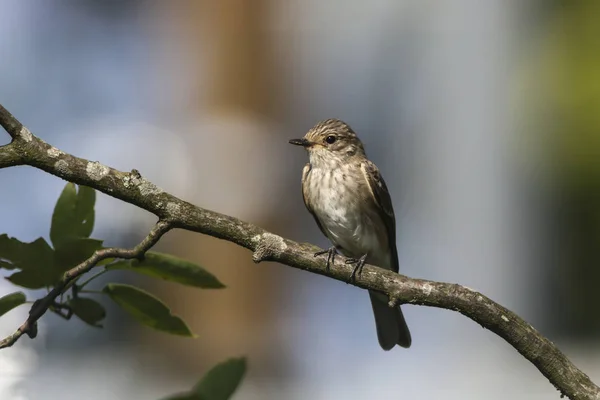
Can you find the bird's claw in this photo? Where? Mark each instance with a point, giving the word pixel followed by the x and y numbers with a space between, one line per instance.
pixel 331 252
pixel 360 263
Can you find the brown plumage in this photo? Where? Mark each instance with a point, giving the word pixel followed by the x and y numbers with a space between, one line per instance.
pixel 350 202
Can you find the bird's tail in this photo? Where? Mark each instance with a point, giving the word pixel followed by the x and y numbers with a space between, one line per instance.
pixel 391 326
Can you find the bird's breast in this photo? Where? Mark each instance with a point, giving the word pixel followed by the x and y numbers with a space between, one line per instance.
pixel 338 200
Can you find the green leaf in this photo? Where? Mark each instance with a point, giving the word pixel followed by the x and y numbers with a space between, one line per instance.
pixel 73 215
pixel 35 260
pixel 220 383
pixel 30 279
pixel 222 380
pixel 88 310
pixel 75 251
pixel 106 261
pixel 84 210
pixel 147 309
pixel 170 268
pixel 7 265
pixel 11 301
pixel 22 255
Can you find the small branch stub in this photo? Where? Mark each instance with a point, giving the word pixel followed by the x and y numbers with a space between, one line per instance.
pixel 394 300
pixel 268 246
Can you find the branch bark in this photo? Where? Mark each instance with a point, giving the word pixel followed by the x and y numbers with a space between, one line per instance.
pixel 131 187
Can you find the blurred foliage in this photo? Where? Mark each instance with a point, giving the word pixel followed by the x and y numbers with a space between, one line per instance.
pixel 563 90
pixel 11 301
pixel 37 265
pixel 219 383
pixel 562 99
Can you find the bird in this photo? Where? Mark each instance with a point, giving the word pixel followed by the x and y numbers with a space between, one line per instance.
pixel 350 202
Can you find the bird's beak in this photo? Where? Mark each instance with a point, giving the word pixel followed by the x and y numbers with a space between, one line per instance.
pixel 301 142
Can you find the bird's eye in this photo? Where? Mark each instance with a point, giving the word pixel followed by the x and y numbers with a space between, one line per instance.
pixel 330 139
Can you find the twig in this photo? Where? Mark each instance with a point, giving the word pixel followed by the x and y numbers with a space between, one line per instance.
pixel 39 307
pixel 91 278
pixel 27 149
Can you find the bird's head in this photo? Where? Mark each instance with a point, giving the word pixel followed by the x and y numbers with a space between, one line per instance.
pixel 330 141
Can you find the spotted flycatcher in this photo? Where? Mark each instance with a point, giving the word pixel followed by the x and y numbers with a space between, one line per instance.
pixel 350 202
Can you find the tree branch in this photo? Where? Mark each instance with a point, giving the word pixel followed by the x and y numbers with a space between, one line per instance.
pixel 132 188
pixel 39 307
pixel 9 157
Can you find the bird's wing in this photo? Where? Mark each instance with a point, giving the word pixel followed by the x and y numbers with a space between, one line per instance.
pixel 305 172
pixel 381 197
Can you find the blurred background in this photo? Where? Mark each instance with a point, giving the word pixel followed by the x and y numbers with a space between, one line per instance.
pixel 483 117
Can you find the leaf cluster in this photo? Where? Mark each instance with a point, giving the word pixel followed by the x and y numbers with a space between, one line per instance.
pixel 39 264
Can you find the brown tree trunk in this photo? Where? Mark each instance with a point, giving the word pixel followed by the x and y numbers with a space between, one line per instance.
pixel 241 319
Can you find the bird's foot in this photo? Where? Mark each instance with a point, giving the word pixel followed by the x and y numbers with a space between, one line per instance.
pixel 360 263
pixel 331 252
